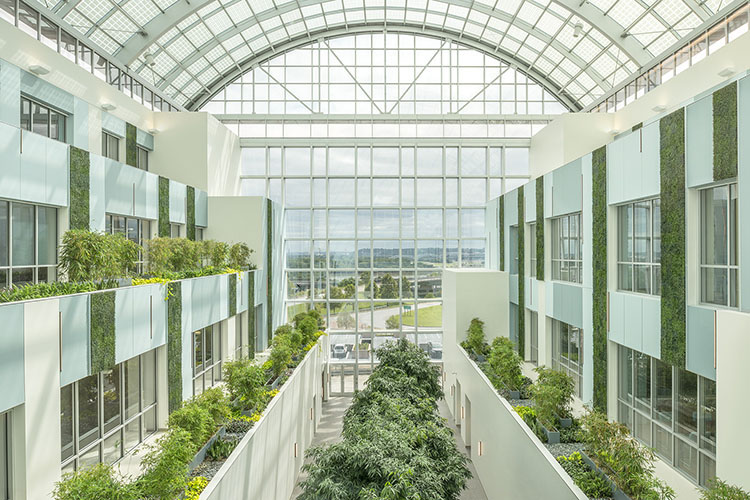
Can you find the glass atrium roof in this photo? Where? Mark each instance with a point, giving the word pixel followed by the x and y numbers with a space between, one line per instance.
pixel 577 49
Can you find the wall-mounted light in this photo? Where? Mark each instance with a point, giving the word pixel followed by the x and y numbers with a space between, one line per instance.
pixel 453 389
pixel 613 131
pixel 659 109
pixel 38 69
pixel 296 450
pixel 463 413
pixel 153 131
pixel 480 449
pixel 577 29
pixel 108 106
pixel 726 72
pixel 311 414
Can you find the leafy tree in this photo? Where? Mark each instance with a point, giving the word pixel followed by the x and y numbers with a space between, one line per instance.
pixel 475 340
pixel 392 323
pixel 406 288
pixel 244 380
pixel 239 256
pixel 388 288
pixel 505 363
pixel 345 320
pixel 552 394
pixel 165 466
pixel 281 354
pixel 721 490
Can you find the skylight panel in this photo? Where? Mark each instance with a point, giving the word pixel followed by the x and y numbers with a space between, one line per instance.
pixel 291 16
pixel 714 5
pixel 95 10
pixel 525 52
pixel 549 23
pixel 647 29
pixel 457 11
pixel 295 28
pixel 269 24
pixel 559 76
pixel 215 53
pixel 276 35
pixel 239 11
pixel 585 81
pixel 119 27
pixel 435 6
pixel 78 21
pixel 553 54
pixel 559 10
pixel 478 17
pixel 198 65
pixel 192 88
pixel 535 43
pixel 104 41
pixel 510 45
pixel 330 6
pixel 261 5
pixel 544 64
pixel 315 22
pixel 181 80
pixel 625 12
pixel 491 36
pixel 209 9
pixel 569 66
pixel 199 35
pixel 187 22
pixel 474 29
pixel 180 49
pixel 240 53
pixel 416 4
pixel 586 49
pixel 165 4
pixel 530 13
pixel 566 38
pixel 252 32
pixel 434 20
pixel 219 22
pixel 166 37
pixel 672 11
pixel 258 44
pixel 517 33
pixel 223 64
pixel 662 43
pixel 141 11
pixel 604 65
pixel 163 64
pixel 498 24
pixel 488 3
pixel 509 6
pixel 602 5
pixel 208 76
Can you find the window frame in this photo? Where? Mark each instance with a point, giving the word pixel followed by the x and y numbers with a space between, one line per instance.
pixel 732 224
pixel 107 151
pixel 35 266
pixel 560 263
pixel 199 371
pixel 50 111
pixel 142 157
pixel 532 250
pixel 565 364
pixel 653 282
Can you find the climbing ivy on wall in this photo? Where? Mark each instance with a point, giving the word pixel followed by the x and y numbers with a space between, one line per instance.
pixel 539 229
pixel 501 230
pixel 251 314
pixel 164 207
pixel 672 130
pixel 232 283
pixel 174 344
pixel 269 269
pixel 80 180
pixel 599 248
pixel 521 257
pixel 725 132
pixel 131 147
pixel 102 311
pixel 190 213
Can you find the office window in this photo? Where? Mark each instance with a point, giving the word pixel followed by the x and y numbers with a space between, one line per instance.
pixel 513 242
pixel 639 247
pixel 104 416
pixel 567 240
pixel 42 120
pixel 134 229
pixel 142 158
pixel 532 250
pixel 567 352
pixel 175 230
pixel 28 244
pixel 110 146
pixel 5 473
pixel 206 358
pixel 198 234
pixel 534 327
pixel 719 250
pixel 241 340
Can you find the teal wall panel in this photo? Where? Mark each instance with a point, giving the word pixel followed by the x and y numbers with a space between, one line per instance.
pixel 10 94
pixel 743 179
pixel 633 327
pixel 201 208
pixel 699 144
pixel 651 340
pixel 10 173
pixel 635 321
pixel 75 338
pixel 97 193
pixel 124 313
pixel 513 288
pixel 209 301
pixel 80 131
pixel 142 333
pixel 511 209
pixel 243 290
pixel 567 303
pixel 616 317
pixel 56 174
pixel 567 189
pixel 33 167
pixel 529 198
pixel 548 178
pixel 700 341
pixel 650 160
pixel 11 356
pixel 177 202
pixel 144 139
pixel 633 165
pixel 47 93
pixel 159 315
pixel 152 196
pixel 188 326
pixel 119 180
pixel 113 125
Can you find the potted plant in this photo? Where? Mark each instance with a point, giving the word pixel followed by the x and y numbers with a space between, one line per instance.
pixel 552 394
pixel 475 343
pixel 505 365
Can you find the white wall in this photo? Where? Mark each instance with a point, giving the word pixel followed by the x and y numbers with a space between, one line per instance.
pixel 238 218
pixel 263 465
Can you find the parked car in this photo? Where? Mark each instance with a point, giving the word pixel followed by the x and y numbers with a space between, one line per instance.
pixel 436 350
pixel 338 351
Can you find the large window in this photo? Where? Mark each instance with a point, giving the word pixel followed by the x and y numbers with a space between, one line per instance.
pixel 513 242
pixel 42 119
pixel 719 249
pixel 28 244
pixel 532 250
pixel 567 352
pixel 534 330
pixel 104 416
pixel 639 247
pixel 5 461
pixel 110 146
pixel 567 255
pixel 206 358
pixel 671 410
pixel 142 158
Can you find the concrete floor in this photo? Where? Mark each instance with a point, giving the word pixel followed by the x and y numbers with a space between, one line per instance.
pixel 329 431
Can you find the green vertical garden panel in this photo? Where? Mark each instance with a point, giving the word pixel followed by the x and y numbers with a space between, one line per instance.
pixel 501 231
pixel 599 257
pixel 102 331
pixel 174 344
pixel 521 279
pixel 80 166
pixel 269 270
pixel 131 145
pixel 163 207
pixel 251 314
pixel 725 132
pixel 539 228
pixel 673 311
pixel 232 283
pixel 190 216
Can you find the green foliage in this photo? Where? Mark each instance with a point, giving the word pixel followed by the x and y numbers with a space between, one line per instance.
pixel 593 484
pixel 215 401
pixel 251 314
pixel 238 256
pixel 393 322
pixel 629 464
pixel 232 301
pixel 80 180
pixel 720 490
pixel 131 145
pixel 281 354
pixel 673 240
pixel 308 323
pixel 195 419
pixel 164 228
pixel 178 258
pixel 725 132
pixel 239 425
pixel 269 267
pixel 214 252
pixel 244 380
pixel 165 466
pixel 174 344
pixel 521 273
pixel 525 412
pixel 102 335
pixel 190 216
pixel 395 444
pixel 475 339
pixel 52 289
pixel 552 394
pixel 501 227
pixel 221 449
pixel 91 256
pixel 599 258
pixel 195 487
pixel 539 228
pixel 505 364
pixel 99 482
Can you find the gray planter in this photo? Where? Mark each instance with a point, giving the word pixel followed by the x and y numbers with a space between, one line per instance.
pixel 201 455
pixel 514 394
pixel 480 358
pixel 553 436
pixel 617 493
pixel 565 422
pixel 122 282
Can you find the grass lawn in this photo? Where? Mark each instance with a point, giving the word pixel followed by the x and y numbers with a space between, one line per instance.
pixel 428 316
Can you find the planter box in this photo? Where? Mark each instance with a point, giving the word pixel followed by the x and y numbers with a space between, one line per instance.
pixel 565 422
pixel 617 493
pixel 201 455
pixel 514 395
pixel 553 436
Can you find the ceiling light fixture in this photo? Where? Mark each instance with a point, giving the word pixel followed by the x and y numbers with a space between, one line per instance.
pixel 726 72
pixel 38 69
pixel 108 106
pixel 577 29
pixel 149 57
pixel 659 109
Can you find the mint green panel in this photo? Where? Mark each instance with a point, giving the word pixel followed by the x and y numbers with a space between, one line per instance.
pixel 177 202
pixel 47 93
pixel 699 142
pixel 201 208
pixel 124 313
pixel 567 189
pixel 242 291
pixel 743 124
pixel 615 172
pixel 113 125
pixel 118 188
pixel 651 342
pixel 56 174
pixel 97 193
pixel 531 294
pixel 700 341
pixel 633 326
pixel 650 160
pixel 80 138
pixel 141 192
pixel 76 354
pixel 513 292
pixel 529 199
pixel 144 139
pixel 259 275
pixel 159 315
pixel 10 159
pixel 548 195
pixel 568 303
pixel 11 356
pixel 142 304
pixel 617 317
pixel 511 208
pixel 10 94
pixel 549 300
pixel 209 300
pixel 188 326
pixel 33 167
pixel 152 196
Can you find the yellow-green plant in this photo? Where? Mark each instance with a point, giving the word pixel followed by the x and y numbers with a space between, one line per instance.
pixel 195 487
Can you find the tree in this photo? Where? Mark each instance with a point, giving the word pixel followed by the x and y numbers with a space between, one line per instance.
pixel 388 288
pixel 406 288
pixel 345 320
pixel 392 323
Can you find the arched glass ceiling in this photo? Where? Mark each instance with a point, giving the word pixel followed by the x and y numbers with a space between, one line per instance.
pixel 580 48
pixel 384 73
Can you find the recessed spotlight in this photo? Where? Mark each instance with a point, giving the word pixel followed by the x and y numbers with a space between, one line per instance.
pixel 108 106
pixel 38 69
pixel 726 72
pixel 659 109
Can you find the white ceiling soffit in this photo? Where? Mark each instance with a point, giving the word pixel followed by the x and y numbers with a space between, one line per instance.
pixel 578 49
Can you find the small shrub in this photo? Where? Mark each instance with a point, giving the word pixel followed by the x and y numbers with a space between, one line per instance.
pixel 195 420
pixel 552 394
pixel 720 490
pixel 221 449
pixel 195 487
pixel 215 253
pixel 99 482
pixel 239 256
pixel 591 483
pixel 165 466
pixel 241 424
pixel 506 363
pixel 244 380
pixel 281 355
pixel 475 338
pixel 92 256
pixel 215 401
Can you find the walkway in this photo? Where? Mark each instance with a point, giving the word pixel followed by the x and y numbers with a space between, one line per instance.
pixel 329 432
